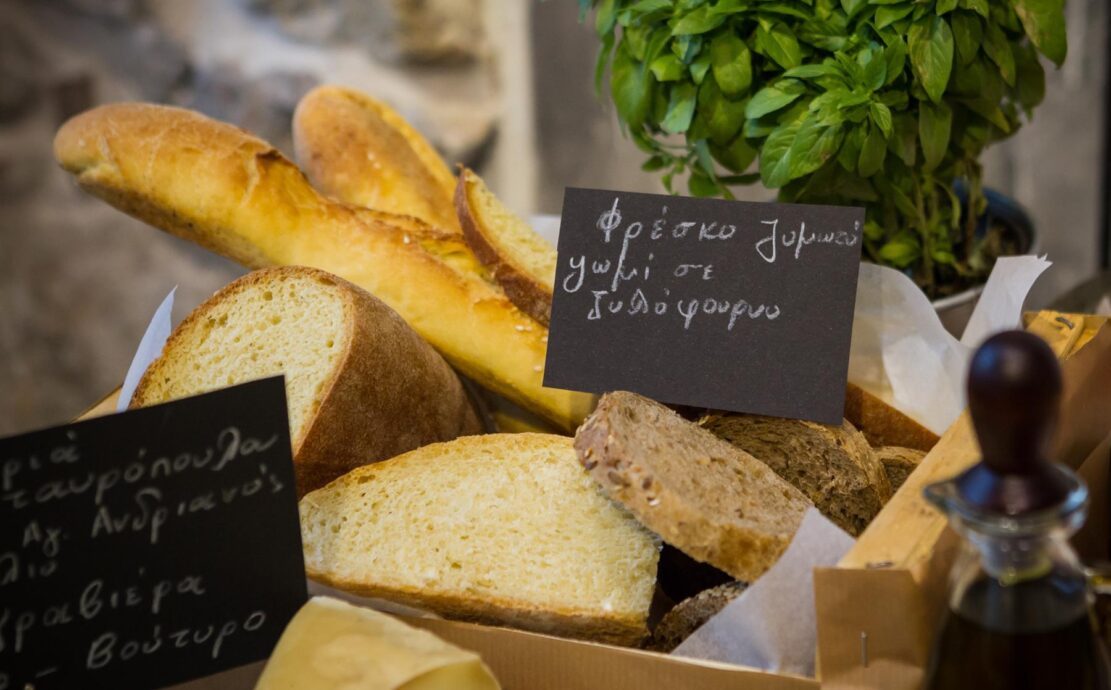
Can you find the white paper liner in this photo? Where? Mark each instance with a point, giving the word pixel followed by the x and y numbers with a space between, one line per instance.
pixel 150 347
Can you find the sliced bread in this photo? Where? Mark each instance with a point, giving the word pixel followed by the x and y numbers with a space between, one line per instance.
pixel 833 465
pixel 361 386
pixel 500 529
pixel 523 262
pixel 691 614
pixel 898 463
pixel 716 503
pixel 882 424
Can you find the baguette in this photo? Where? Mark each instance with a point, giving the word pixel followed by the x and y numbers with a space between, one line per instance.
pixel 522 262
pixel 499 529
pixel 228 191
pixel 716 503
pixel 833 465
pixel 361 151
pixel 360 384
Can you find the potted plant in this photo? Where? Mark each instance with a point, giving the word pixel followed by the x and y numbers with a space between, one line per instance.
pixel 885 104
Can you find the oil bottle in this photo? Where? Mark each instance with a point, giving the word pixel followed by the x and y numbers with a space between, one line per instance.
pixel 1018 613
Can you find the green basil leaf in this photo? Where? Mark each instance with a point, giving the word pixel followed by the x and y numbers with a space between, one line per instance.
pixel 773 97
pixel 650 6
pixel 968 32
pixel 702 185
pixel 605 17
pixel 737 156
pixel 775 159
pixel 931 54
pixel 823 34
pixel 980 7
pixel 875 72
pixel 779 44
pixel 989 110
pixel 655 163
pixel 667 67
pixel 849 155
pixel 998 48
pixel 904 140
pixel 686 48
pixel 732 63
pixel 698 22
pixel 889 14
pixel 810 71
pixel 945 6
pixel 1044 22
pixel 896 58
pixel 851 7
pixel 631 87
pixel 934 125
pixel 872 153
pixel 901 251
pixel 602 62
pixel 814 144
pixel 880 115
pixel 885 2
pixel 723 116
pixel 1030 82
pixel 784 9
pixel 680 108
pixel 700 67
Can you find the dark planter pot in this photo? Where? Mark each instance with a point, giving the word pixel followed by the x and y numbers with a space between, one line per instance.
pixel 955 310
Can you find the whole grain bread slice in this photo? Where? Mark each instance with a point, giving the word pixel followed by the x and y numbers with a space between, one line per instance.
pixel 503 529
pixel 898 463
pixel 833 465
pixel 702 495
pixel 691 614
pixel 882 424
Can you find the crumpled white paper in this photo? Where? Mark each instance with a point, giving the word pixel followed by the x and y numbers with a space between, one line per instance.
pixel 902 354
pixel 772 625
pixel 150 347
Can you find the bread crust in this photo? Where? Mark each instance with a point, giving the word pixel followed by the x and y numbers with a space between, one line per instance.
pixel 216 185
pixel 361 151
pixel 623 463
pixel 530 294
pixel 882 424
pixel 388 393
pixel 898 463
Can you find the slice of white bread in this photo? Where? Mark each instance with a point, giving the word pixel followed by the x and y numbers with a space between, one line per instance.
pixel 523 262
pixel 332 645
pixel 711 500
pixel 360 384
pixel 499 529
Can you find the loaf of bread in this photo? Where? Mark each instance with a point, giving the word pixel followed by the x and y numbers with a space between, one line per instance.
pixel 522 262
pixel 691 614
pixel 224 189
pixel 716 503
pixel 503 529
pixel 833 465
pixel 361 151
pixel 360 384
pixel 898 463
pixel 882 424
pixel 332 645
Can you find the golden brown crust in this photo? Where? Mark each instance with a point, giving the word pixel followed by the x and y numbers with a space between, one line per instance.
pixel 389 392
pixel 214 184
pixel 529 294
pixel 502 611
pixel 361 151
pixel 882 424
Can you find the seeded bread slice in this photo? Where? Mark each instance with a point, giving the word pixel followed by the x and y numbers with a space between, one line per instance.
pixel 503 529
pixel 833 465
pixel 898 463
pixel 713 501
pixel 691 614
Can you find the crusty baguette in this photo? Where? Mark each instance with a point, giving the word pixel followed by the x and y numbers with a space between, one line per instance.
pixel 361 151
pixel 898 463
pixel 522 262
pixel 713 501
pixel 224 189
pixel 502 528
pixel 360 384
pixel 882 424
pixel 833 465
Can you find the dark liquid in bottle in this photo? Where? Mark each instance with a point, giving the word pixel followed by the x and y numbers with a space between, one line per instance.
pixel 1066 656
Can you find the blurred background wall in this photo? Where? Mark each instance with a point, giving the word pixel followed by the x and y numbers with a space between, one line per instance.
pixel 504 86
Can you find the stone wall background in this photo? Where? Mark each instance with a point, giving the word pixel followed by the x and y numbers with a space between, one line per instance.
pixel 503 85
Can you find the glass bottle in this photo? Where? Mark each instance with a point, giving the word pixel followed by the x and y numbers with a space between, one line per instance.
pixel 1018 615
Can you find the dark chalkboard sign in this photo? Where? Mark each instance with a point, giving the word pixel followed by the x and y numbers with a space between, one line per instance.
pixel 148 548
pixel 732 305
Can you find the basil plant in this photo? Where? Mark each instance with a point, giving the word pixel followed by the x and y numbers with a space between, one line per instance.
pixel 878 103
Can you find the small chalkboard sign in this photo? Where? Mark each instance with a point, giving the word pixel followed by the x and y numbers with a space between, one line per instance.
pixel 148 548
pixel 732 305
